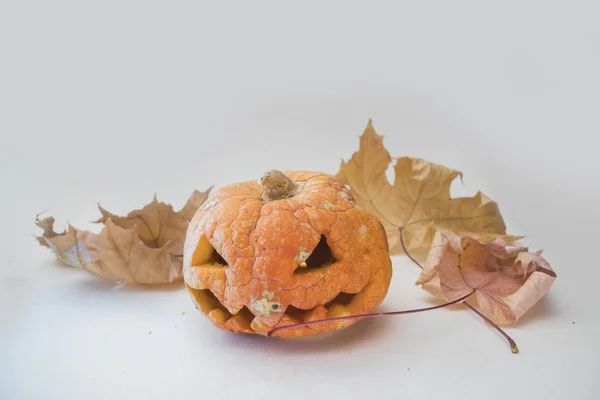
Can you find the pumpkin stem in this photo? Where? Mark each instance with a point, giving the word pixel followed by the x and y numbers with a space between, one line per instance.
pixel 277 186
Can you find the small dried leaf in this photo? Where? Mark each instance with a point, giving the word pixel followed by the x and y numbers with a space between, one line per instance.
pixel 508 280
pixel 193 204
pixel 487 238
pixel 144 247
pixel 418 203
pixel 46 224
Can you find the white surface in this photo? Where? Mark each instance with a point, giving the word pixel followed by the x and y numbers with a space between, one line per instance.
pixel 114 101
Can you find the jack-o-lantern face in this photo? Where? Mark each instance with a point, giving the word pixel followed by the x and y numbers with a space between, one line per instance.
pixel 290 248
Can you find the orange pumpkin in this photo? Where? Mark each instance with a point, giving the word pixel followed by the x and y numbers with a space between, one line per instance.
pixel 291 247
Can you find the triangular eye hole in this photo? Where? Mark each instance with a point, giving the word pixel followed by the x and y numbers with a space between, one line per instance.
pixel 206 255
pixel 320 257
pixel 217 258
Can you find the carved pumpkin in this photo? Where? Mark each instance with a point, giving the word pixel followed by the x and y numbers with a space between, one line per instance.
pixel 290 248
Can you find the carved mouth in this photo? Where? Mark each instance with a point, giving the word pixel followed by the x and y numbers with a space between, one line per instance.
pixel 241 322
pixel 208 303
pixel 207 257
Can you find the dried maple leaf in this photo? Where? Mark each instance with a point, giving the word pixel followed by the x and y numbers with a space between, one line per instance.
pixel 418 203
pixel 507 279
pixel 144 247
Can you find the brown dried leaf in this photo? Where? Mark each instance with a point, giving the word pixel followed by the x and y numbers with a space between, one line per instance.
pixel 47 225
pixel 144 247
pixel 508 280
pixel 418 203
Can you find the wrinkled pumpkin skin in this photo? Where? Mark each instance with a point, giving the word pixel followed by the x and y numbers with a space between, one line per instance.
pixel 264 283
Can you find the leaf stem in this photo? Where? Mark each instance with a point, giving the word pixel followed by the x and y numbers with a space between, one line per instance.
pixel 373 315
pixel 513 345
pixel 406 250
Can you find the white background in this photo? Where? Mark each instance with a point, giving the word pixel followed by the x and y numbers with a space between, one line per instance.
pixel 111 102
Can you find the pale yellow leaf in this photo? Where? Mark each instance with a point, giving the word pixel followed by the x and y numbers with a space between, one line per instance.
pixel 418 203
pixel 143 247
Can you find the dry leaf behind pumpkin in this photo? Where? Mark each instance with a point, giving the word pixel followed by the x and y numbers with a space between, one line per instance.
pixel 508 280
pixel 144 247
pixel 419 202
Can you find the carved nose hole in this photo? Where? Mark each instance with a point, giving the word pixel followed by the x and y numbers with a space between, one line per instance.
pixel 321 256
